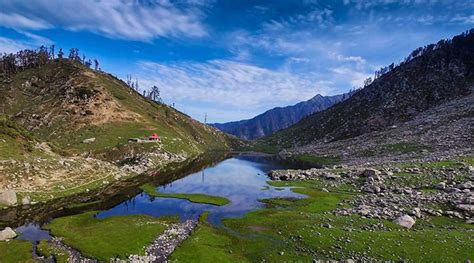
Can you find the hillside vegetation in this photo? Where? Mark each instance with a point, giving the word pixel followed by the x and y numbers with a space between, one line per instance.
pixel 65 128
pixel 65 103
pixel 429 92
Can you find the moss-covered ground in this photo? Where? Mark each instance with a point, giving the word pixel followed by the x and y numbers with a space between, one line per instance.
pixel 300 230
pixel 109 237
pixel 195 198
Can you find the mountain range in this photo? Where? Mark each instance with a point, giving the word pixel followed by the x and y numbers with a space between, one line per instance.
pixel 428 94
pixel 278 118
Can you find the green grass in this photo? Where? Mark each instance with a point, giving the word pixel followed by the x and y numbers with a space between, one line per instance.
pixel 15 142
pixel 405 147
pixel 180 134
pixel 109 237
pixel 195 198
pixel 293 230
pixel 16 251
pixel 443 164
pixel 318 160
pixel 263 148
pixel 207 244
pixel 81 205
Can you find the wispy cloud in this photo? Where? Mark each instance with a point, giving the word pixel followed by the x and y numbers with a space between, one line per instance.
pixel 8 45
pixel 231 85
pixel 119 19
pixel 28 41
pixel 17 21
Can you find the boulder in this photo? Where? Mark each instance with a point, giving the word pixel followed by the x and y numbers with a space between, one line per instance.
pixel 8 197
pixel 370 173
pixel 466 207
pixel 7 234
pixel 330 176
pixel 440 186
pixel 417 212
pixel 90 140
pixel 466 185
pixel 26 200
pixel 370 188
pixel 405 221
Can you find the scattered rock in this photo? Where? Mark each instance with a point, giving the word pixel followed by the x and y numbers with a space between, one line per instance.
pixel 8 197
pixel 440 186
pixel 405 221
pixel 369 173
pixel 26 200
pixel 87 141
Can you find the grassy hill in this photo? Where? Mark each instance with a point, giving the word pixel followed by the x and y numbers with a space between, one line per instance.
pixel 47 112
pixel 65 103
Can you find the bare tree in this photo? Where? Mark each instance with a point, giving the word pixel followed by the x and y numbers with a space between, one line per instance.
pixel 51 51
pixel 60 55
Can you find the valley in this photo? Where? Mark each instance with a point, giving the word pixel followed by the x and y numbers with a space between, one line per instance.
pixel 93 170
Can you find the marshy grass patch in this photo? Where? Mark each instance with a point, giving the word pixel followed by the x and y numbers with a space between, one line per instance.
pixel 194 198
pixel 103 239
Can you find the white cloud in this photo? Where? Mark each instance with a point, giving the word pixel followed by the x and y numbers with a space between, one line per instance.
pixel 122 19
pixel 463 19
pixel 11 46
pixel 17 21
pixel 229 84
pixel 356 78
pixel 32 41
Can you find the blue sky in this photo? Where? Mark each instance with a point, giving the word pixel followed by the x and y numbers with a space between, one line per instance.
pixel 236 59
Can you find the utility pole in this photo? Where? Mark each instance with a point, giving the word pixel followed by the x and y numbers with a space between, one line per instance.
pixel 205 118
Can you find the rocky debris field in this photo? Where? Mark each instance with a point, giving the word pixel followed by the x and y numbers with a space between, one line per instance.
pixel 140 163
pixel 444 132
pixel 29 181
pixel 397 193
pixel 73 255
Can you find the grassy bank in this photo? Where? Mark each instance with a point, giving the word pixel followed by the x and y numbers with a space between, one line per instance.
pixel 16 251
pixel 300 230
pixel 195 198
pixel 110 237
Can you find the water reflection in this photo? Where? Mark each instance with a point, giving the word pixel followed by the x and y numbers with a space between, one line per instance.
pixel 32 232
pixel 240 179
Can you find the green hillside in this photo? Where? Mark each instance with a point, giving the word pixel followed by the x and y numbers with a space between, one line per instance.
pixel 66 103
pixel 65 129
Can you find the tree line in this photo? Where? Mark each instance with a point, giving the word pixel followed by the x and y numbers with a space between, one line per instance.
pixel 420 51
pixel 29 58
pixel 152 94
pixel 11 63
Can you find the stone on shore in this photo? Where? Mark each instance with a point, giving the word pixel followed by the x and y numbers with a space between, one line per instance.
pixel 405 221
pixel 7 234
pixel 8 197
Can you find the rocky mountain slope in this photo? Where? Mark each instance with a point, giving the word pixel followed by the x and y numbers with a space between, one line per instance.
pixel 428 88
pixel 278 118
pixel 65 128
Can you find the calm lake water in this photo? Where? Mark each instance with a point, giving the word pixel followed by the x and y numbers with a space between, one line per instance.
pixel 242 180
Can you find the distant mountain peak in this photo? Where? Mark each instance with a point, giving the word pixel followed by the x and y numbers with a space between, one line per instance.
pixel 429 77
pixel 277 118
